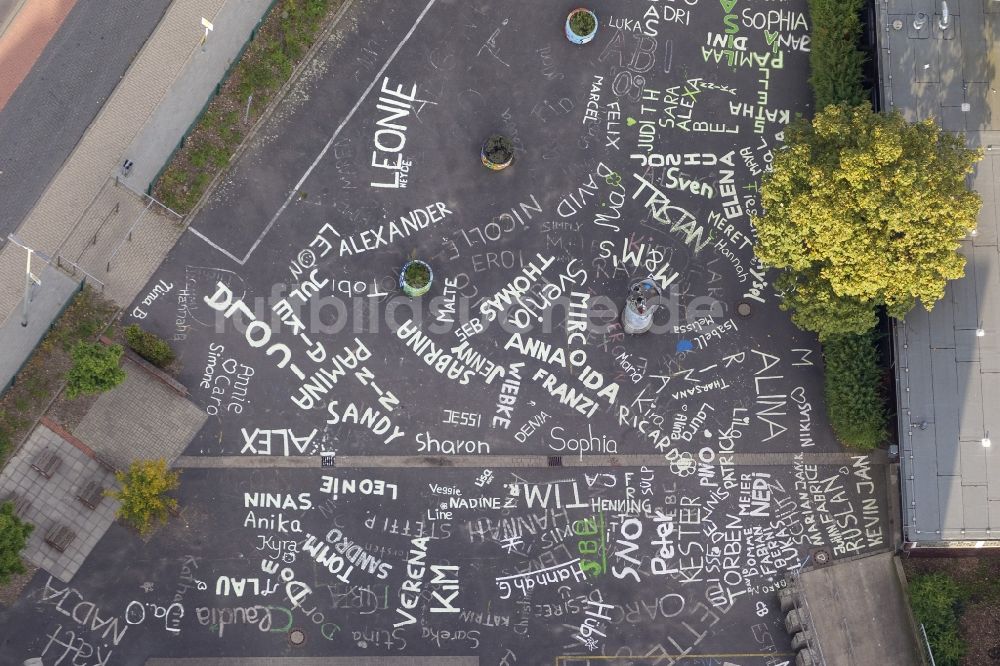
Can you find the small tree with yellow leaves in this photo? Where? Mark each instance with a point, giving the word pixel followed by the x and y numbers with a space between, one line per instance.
pixel 143 494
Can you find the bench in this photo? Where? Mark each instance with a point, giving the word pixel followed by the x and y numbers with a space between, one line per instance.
pixel 91 494
pixel 60 537
pixel 46 463
pixel 20 502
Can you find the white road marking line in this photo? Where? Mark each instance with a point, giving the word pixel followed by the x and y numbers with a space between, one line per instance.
pixel 212 243
pixel 323 152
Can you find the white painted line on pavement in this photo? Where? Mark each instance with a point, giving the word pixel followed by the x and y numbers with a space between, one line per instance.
pixel 220 249
pixel 323 152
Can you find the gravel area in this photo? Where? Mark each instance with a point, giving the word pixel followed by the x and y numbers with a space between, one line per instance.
pixel 12 590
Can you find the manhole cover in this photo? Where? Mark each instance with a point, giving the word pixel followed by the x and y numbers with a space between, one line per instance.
pixel 821 557
pixel 897 24
pixel 743 309
pixel 296 637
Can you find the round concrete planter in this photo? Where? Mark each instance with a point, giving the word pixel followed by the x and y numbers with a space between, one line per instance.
pixel 411 287
pixel 572 35
pixel 497 153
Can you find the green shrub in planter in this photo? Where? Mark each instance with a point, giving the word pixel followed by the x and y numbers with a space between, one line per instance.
pixel 149 346
pixel 582 23
pixel 497 153
pixel 95 369
pixel 581 26
pixel 416 277
pixel 853 399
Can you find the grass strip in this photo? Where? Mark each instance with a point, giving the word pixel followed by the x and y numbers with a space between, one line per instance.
pixel 44 373
pixel 284 38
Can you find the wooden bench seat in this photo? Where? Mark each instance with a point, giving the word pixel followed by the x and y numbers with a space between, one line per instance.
pixel 91 494
pixel 60 537
pixel 46 463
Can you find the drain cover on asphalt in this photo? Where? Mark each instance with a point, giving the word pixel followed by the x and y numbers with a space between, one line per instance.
pixel 821 556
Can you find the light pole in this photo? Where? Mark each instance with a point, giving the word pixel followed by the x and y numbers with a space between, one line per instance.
pixel 28 277
pixel 208 28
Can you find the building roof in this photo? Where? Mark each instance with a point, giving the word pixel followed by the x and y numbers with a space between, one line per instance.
pixel 948 377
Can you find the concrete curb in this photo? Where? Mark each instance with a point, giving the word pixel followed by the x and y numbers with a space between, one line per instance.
pixel 278 98
pixel 68 437
pixel 467 461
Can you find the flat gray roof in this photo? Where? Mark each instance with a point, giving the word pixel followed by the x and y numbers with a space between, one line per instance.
pixel 948 377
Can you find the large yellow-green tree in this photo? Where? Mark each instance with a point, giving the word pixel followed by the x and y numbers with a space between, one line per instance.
pixel 864 209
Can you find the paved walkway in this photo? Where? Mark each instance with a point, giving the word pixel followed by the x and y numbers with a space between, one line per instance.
pixel 119 240
pixel 57 72
pixel 158 74
pixel 143 418
pixel 53 500
pixel 18 342
pixel 153 145
pixel 490 462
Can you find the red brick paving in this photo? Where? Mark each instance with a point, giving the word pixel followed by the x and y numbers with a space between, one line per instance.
pixel 25 39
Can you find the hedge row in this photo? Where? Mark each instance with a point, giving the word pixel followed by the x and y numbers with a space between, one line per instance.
pixel 854 401
pixel 834 59
pixel 149 346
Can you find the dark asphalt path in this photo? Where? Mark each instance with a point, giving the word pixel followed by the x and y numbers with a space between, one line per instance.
pixel 419 572
pixel 55 103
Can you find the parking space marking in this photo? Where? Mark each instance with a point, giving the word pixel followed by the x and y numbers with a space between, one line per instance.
pixel 322 153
